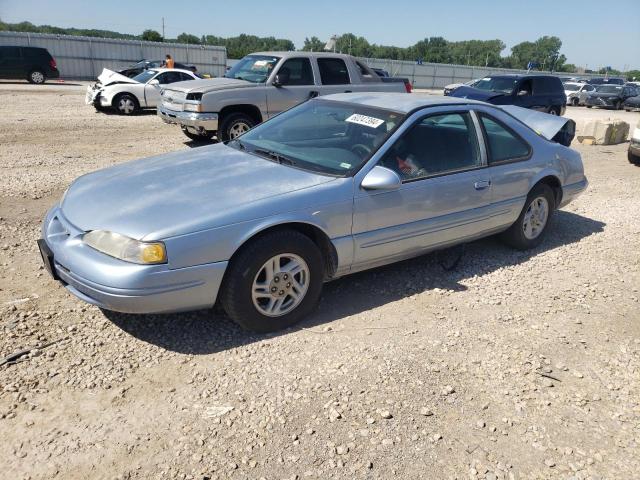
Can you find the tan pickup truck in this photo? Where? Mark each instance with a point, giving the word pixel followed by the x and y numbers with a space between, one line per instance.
pixel 262 85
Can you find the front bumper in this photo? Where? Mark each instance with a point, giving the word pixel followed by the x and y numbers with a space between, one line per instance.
pixel 206 121
pixel 120 286
pixel 599 102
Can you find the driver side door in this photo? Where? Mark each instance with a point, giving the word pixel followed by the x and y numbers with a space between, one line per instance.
pixel 298 85
pixel 444 197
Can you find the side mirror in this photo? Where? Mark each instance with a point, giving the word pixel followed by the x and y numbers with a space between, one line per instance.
pixel 281 79
pixel 155 82
pixel 381 178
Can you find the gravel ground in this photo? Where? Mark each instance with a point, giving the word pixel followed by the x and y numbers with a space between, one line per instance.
pixel 515 365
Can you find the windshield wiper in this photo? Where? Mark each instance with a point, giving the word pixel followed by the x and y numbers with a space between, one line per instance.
pixel 239 143
pixel 271 155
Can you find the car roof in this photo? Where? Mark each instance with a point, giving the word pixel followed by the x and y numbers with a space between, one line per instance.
pixel 399 102
pixel 159 69
pixel 288 54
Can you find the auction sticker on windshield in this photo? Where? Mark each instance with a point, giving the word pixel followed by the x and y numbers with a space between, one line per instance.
pixel 365 120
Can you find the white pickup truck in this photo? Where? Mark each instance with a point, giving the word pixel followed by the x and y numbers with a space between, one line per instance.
pixel 262 85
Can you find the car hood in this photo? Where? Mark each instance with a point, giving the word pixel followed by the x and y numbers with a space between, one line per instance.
pixel 210 84
pixel 475 93
pixel 180 192
pixel 109 77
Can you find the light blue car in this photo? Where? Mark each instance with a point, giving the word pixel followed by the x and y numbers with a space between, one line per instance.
pixel 337 185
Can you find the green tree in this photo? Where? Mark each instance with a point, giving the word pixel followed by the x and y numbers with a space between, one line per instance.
pixel 151 36
pixel 545 51
pixel 633 75
pixel 187 38
pixel 313 44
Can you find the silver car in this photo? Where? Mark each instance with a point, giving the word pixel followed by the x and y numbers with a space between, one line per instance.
pixel 336 185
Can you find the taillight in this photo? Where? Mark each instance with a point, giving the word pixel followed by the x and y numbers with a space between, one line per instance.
pixel 408 87
pixel 52 63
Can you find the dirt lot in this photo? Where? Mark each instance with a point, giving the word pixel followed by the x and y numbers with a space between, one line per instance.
pixel 515 365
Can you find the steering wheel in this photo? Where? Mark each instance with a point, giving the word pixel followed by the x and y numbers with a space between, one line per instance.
pixel 360 148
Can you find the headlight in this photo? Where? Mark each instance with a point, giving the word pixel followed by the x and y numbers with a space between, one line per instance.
pixel 193 107
pixel 125 248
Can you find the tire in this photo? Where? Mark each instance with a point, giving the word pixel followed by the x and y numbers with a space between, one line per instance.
pixel 554 111
pixel 248 268
pixel 633 159
pixel 575 102
pixel 198 137
pixel 516 235
pixel 589 106
pixel 126 104
pixel 233 125
pixel 37 77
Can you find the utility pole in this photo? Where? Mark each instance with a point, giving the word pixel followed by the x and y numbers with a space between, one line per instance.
pixel 163 29
pixel 486 60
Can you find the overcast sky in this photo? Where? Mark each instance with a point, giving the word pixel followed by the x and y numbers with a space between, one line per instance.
pixel 593 33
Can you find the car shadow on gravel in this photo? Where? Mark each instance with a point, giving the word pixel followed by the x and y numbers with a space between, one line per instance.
pixel 209 331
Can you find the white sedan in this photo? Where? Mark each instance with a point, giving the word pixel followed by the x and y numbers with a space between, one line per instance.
pixel 128 95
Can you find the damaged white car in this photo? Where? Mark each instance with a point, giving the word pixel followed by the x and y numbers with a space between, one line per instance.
pixel 128 96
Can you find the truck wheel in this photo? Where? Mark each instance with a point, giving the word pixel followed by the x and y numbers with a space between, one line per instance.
pixel 234 125
pixel 37 77
pixel 273 282
pixel 198 137
pixel 126 104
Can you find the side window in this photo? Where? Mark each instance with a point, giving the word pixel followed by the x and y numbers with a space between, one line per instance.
pixel 544 85
pixel 184 77
pixel 435 145
pixel 168 77
pixel 365 71
pixel 333 71
pixel 502 143
pixel 298 71
pixel 525 88
pixel 12 53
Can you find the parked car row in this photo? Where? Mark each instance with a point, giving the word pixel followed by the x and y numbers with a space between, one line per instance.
pixel 610 96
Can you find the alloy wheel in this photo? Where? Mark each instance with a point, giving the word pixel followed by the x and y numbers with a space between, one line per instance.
pixel 280 285
pixel 238 129
pixel 37 77
pixel 535 218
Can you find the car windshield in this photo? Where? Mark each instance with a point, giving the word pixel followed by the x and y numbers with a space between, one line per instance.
pixel 323 136
pixel 145 76
pixel 608 88
pixel 571 88
pixel 497 84
pixel 253 68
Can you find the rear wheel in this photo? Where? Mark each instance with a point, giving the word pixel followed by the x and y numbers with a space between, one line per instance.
pixel 37 77
pixel 273 282
pixel 529 229
pixel 126 104
pixel 234 125
pixel 198 137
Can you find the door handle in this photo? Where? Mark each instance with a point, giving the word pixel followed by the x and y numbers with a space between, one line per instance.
pixel 482 184
pixel 313 94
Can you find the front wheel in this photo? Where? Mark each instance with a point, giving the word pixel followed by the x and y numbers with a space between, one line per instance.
pixel 529 229
pixel 575 102
pixel 198 137
pixel 126 104
pixel 273 282
pixel 554 111
pixel 233 125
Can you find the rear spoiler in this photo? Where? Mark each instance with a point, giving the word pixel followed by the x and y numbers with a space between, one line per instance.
pixel 554 128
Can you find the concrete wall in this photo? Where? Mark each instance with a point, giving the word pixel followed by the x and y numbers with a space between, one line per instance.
pixel 437 75
pixel 83 58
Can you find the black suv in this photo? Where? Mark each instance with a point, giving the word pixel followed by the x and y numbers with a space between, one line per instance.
pixel 610 96
pixel 544 93
pixel 33 63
